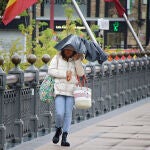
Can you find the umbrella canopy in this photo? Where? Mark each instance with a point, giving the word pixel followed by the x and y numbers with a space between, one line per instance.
pixel 92 51
pixel 74 41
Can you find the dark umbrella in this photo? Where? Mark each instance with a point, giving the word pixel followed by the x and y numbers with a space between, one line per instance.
pixel 92 51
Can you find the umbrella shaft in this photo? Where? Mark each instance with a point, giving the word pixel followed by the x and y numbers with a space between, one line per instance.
pixel 134 34
pixel 84 21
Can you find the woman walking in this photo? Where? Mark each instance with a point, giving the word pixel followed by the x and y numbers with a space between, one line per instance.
pixel 65 67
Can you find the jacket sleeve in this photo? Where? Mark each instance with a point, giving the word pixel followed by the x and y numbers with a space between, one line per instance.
pixel 53 68
pixel 79 68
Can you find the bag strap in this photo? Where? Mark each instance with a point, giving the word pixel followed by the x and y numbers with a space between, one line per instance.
pixel 57 58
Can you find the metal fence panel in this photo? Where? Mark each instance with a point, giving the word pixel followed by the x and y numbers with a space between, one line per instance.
pixel 113 85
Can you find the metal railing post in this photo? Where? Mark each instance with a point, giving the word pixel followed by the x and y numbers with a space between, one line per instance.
pixel 34 103
pixel 2 89
pixel 121 84
pixel 148 75
pixel 115 78
pixel 47 114
pixel 18 132
pixel 96 90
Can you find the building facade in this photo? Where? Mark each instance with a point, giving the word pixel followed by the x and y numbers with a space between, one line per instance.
pixel 118 35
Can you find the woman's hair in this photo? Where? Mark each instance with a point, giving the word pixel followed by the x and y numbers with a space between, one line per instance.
pixel 63 53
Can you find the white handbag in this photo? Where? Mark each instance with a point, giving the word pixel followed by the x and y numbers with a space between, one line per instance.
pixel 82 96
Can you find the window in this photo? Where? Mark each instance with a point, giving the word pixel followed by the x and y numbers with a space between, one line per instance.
pixel 110 10
pixel 59 8
pixel 115 40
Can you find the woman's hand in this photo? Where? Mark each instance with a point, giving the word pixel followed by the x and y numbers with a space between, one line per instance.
pixel 77 56
pixel 68 75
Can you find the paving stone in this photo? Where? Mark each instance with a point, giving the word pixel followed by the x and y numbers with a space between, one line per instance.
pixel 78 140
pixel 92 131
pixel 117 135
pixel 104 128
pixel 145 129
pixel 136 123
pixel 135 142
pixel 126 131
pixel 142 136
pixel 51 146
pixel 109 123
pixel 92 147
pixel 103 142
pixel 127 148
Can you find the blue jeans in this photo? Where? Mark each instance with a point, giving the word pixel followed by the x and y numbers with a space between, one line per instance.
pixel 63 108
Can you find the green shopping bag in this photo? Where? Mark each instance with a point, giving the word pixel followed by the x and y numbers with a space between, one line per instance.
pixel 46 91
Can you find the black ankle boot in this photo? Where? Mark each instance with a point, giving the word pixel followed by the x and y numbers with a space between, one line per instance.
pixel 64 139
pixel 57 135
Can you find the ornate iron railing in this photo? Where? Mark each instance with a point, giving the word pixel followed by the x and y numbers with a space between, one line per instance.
pixel 22 114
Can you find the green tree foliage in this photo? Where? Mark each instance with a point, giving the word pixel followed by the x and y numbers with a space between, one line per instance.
pixel 15 47
pixel 95 29
pixel 27 31
pixel 71 23
pixel 47 39
pixel 3 4
pixel 45 45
